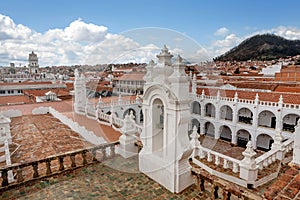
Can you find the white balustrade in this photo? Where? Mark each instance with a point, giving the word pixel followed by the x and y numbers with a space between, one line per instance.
pixel 209 155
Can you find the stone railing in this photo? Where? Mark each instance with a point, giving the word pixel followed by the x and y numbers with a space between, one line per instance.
pixel 218 164
pixel 289 145
pixel 268 103
pixel 247 101
pixel 266 159
pixel 216 188
pixel 55 164
pixel 292 106
pixel 271 156
pixel 118 103
pixel 219 159
pixel 114 121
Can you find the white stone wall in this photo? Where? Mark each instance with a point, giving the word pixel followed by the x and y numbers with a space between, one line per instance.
pixel 246 107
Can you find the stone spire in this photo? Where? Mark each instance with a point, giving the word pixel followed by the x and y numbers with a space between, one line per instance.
pixel 165 57
pixel 194 84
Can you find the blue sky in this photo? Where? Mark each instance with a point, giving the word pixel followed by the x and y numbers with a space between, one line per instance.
pixel 215 25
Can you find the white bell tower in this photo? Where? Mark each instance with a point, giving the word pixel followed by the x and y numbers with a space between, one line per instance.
pixel 166 149
pixel 80 93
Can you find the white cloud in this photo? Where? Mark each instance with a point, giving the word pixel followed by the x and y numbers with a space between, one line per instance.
pixel 78 43
pixel 291 33
pixel 221 32
pixel 86 43
pixel 219 47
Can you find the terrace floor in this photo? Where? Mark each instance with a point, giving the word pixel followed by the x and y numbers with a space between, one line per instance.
pixel 117 178
pixel 38 136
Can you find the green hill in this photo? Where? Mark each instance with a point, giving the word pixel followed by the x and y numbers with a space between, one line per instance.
pixel 262 47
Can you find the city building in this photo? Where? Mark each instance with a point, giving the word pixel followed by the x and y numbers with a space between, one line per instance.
pixel 33 63
pixel 224 142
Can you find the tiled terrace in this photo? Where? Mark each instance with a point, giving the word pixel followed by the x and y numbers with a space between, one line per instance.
pixel 38 136
pixel 114 179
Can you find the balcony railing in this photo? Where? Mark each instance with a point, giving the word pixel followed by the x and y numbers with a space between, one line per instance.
pixel 56 164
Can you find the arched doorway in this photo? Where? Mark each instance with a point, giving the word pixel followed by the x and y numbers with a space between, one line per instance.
pixel 209 129
pixel 289 122
pixel 128 111
pixel 225 133
pixel 243 136
pixel 210 110
pixel 196 108
pixel 226 113
pixel 158 116
pixel 264 142
pixel 196 123
pixel 245 116
pixel 267 119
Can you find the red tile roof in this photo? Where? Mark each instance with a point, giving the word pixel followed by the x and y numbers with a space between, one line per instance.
pixel 18 99
pixel 292 98
pixel 132 77
pixel 58 92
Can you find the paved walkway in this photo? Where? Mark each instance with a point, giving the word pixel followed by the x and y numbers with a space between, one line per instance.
pixel 115 179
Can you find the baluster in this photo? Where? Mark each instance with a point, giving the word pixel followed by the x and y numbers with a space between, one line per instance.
pixel 19 174
pixel 103 150
pixel 209 158
pixel 260 166
pixel 112 151
pixel 225 164
pixel 72 158
pixel 265 163
pixel 84 161
pixel 273 157
pixel 94 155
pixel 270 160
pixel 214 193
pixel 202 188
pixel 217 160
pixel 202 154
pixel 197 181
pixel 48 166
pixel 4 176
pixel 61 163
pixel 35 169
pixel 235 168
pixel 226 194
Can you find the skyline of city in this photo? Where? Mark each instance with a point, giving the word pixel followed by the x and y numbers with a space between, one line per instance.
pixel 103 32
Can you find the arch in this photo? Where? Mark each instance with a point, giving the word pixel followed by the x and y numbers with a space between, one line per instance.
pixel 267 119
pixel 289 122
pixel 226 112
pixel 264 142
pixel 210 110
pixel 128 112
pixel 195 122
pixel 209 129
pixel 196 108
pixel 141 116
pixel 158 123
pixel 243 136
pixel 225 133
pixel 245 115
